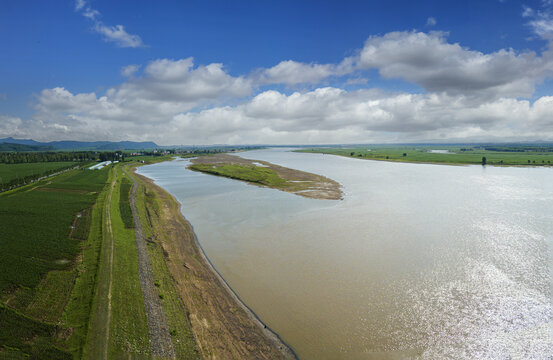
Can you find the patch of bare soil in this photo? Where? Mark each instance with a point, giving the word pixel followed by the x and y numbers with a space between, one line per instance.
pixel 223 327
pixel 299 182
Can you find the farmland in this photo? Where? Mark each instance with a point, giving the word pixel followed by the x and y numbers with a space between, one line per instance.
pixel 42 227
pixel 9 172
pixel 447 154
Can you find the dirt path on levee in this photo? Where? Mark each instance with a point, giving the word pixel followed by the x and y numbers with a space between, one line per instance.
pixel 161 342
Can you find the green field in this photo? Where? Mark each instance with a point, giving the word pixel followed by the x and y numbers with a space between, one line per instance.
pixel 255 174
pixel 9 172
pixel 506 155
pixel 42 227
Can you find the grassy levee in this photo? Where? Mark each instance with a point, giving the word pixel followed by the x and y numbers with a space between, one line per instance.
pixel 177 314
pixel 39 258
pixel 457 155
pixel 118 327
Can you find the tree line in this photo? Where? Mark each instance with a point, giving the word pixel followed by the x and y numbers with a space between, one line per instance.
pixel 48 156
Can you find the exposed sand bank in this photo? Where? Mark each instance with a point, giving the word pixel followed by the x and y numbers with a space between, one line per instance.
pixel 295 181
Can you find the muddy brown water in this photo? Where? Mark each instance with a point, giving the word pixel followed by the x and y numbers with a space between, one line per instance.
pixel 418 261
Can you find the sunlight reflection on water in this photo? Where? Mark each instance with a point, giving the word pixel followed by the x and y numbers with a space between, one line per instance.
pixel 418 261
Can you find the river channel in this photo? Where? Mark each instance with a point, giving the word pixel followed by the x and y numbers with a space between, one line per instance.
pixel 418 261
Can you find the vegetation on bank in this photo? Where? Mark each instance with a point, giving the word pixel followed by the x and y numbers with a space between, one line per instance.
pixel 263 173
pixel 255 174
pixel 448 154
pixel 148 204
pixel 124 203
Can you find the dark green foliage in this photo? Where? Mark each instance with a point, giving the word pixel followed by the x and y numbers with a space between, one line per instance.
pixel 51 156
pixel 124 204
pixel 21 147
pixel 12 175
pixel 82 225
pixel 27 338
pixel 35 226
pixel 483 160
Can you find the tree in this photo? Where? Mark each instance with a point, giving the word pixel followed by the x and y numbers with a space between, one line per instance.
pixel 483 160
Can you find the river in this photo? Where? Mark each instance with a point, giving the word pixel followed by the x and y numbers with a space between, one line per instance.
pixel 418 261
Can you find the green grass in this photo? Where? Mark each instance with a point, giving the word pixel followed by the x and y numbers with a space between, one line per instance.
pixel 255 174
pixel 128 328
pixel 129 334
pixel 10 172
pixel 177 315
pixel 124 204
pixel 457 155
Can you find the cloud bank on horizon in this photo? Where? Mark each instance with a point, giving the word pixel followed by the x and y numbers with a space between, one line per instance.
pixel 460 94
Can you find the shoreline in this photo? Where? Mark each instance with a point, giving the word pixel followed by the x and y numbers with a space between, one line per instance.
pixel 230 322
pixel 431 162
pixel 266 174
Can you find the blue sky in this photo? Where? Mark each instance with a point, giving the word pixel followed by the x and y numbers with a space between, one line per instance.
pixel 287 72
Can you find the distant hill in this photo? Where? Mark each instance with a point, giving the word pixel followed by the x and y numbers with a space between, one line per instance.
pixel 80 145
pixel 21 147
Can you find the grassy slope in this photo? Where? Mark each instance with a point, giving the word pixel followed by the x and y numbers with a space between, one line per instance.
pixel 421 154
pixel 183 339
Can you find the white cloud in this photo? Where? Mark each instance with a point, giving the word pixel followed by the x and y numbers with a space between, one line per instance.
pixel 470 96
pixel 430 61
pixel 292 72
pixel 11 126
pixel 79 4
pixel 91 13
pixel 431 21
pixel 116 34
pixel 129 70
pixel 324 115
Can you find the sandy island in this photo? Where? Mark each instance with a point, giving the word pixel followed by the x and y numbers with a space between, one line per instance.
pixel 294 181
